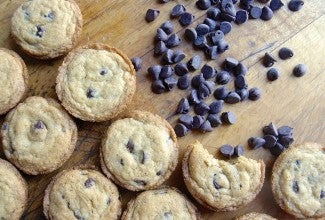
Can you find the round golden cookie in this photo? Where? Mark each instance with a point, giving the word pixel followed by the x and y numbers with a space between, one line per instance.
pixel 298 180
pixel 13 79
pixel 255 216
pixel 81 194
pixel 38 136
pixel 47 29
pixel 164 203
pixel 139 151
pixel 13 192
pixel 220 185
pixel 96 82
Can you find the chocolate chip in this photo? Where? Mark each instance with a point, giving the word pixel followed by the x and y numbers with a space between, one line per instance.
pixel 164 1
pixel 216 107
pixel 270 141
pixel 194 97
pixel 285 53
pixel 89 182
pixel 206 127
pixel 225 27
pixel 203 4
pixel 254 94
pixel 286 141
pixel 295 5
pixel 239 150
pixel 197 80
pixel 204 90
pixel 295 186
pixel 160 48
pixel 190 34
pixel 232 98
pixel 77 215
pixel 91 93
pixel 268 60
pixel 270 130
pixel 285 131
pixel 277 149
pixel 154 72
pixel 173 41
pixel 186 120
pixel 217 37
pixel 181 130
pixel 186 19
pixel 221 93
pixel 167 27
pixel 228 118
pixel 168 215
pixel 246 4
pixel 222 46
pixel 158 87
pixel 194 63
pixel 166 71
pixel 201 108
pixel 241 16
pixel 215 183
pixel 230 63
pixel 202 29
pixel 214 120
pixel 212 52
pixel 103 71
pixel 177 11
pixel 108 201
pixel 255 12
pixel 40 31
pixel 181 69
pixel 198 120
pixel 208 71
pixel 300 70
pixel 214 13
pixel 256 142
pixel 322 194
pixel 184 81
pixel 227 150
pixel 152 14
pixel 159 173
pixel 276 5
pixel 167 58
pixel 200 42
pixel 170 83
pixel 130 146
pixel 178 56
pixel 240 82
pixel 183 106
pixel 272 74
pixel 142 157
pixel 140 182
pixel 122 162
pixel 39 125
pixel 223 77
pixel 5 126
pixel 267 13
pixel 137 63
pixel 51 15
pixel 243 94
pixel 212 24
pixel 227 7
pixel 161 35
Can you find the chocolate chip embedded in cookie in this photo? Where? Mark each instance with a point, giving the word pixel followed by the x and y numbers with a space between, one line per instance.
pixel 38 136
pixel 164 203
pixel 298 180
pixel 96 82
pixel 139 151
pixel 13 79
pixel 81 194
pixel 220 185
pixel 47 29
pixel 13 191
pixel 255 216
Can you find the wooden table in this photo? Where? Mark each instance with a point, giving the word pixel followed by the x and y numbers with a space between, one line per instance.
pixel 298 102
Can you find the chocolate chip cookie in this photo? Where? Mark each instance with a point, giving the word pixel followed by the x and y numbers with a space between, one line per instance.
pixel 13 79
pixel 38 136
pixel 298 180
pixel 96 82
pixel 139 151
pixel 13 192
pixel 255 216
pixel 164 203
pixel 220 185
pixel 47 29
pixel 81 194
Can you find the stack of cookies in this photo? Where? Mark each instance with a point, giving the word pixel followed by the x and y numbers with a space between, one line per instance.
pixel 139 150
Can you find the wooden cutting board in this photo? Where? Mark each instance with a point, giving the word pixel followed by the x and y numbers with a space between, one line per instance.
pixel 298 102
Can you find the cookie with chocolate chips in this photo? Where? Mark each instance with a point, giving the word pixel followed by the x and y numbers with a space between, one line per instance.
pixel 38 136
pixel 298 180
pixel 163 203
pixel 255 216
pixel 220 185
pixel 81 193
pixel 96 82
pixel 46 29
pixel 139 151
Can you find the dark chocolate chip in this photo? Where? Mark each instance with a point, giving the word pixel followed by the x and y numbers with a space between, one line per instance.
pixel 241 82
pixel 103 71
pixel 295 186
pixel 216 107
pixel 267 13
pixel 277 149
pixel 243 93
pixel 194 97
pixel 137 63
pixel 173 41
pixel 168 215
pixel 177 11
pixel 181 130
pixel 91 93
pixel 130 146
pixel 285 131
pixel 217 36
pixel 223 77
pixel 322 194
pixel 203 4
pixel 256 142
pixel 186 120
pixel 295 5
pixel 208 71
pixel 161 35
pixel 200 42
pixel 254 94
pixel 159 173
pixel 166 71
pixel 198 120
pixel 140 182
pixel 181 69
pixel 206 127
pixel 186 19
pixel 220 93
pixel 228 118
pixel 300 70
pixel 214 120
pixel 77 215
pixel 190 34
pixel 178 56
pixel 197 80
pixel 184 81
pixel 232 98
pixel 272 74
pixel 39 125
pixel 170 83
pixel 270 130
pixel 239 150
pixel 183 106
pixel 142 157
pixel 215 183
pixel 5 126
pixel 270 141
pixel 154 72
pixel 285 53
pixel 194 63
pixel 50 15
pixel 227 7
pixel 202 29
pixel 241 16
pixel 212 24
pixel 225 27
pixel 246 4
pixel 160 48
pixel 151 15
pixel 214 13
pixel 164 1
pixel 230 63
pixel 268 60
pixel 222 46
pixel 158 87
pixel 89 182
pixel 122 162
pixel 204 91
pixel 212 52
pixel 276 5
pixel 167 58
pixel 108 201
pixel 227 150
pixel 286 141
pixel 214 2
pixel 201 108
pixel 40 31
pixel 255 12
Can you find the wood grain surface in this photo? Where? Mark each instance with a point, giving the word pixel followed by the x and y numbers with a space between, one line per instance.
pixel 298 102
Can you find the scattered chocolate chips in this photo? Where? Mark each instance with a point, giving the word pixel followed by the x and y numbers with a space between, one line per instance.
pixel 208 71
pixel 243 94
pixel 295 186
pixel 270 141
pixel 272 74
pixel 223 77
pixel 217 37
pixel 222 46
pixel 285 131
pixel 194 97
pixel 255 12
pixel 241 16
pixel 285 53
pixel 220 93
pixel 89 182
pixel 130 146
pixel 154 72
pixel 186 120
pixel 166 71
pixel 254 94
pixel 173 41
pixel 214 120
pixel 160 48
pixel 140 182
pixel 239 150
pixel 194 63
pixel 152 14
pixel 184 81
pixel 246 4
pixel 286 141
pixel 170 83
pixel 212 24
pixel 198 120
pixel 256 142
pixel 228 118
pixel 206 127
pixel 186 19
pixel 181 130
pixel 241 82
pixel 181 69
pixel 161 35
pixel 300 70
pixel 91 93
pixel 227 150
pixel 240 69
pixel 270 130
pixel 183 106
pixel 232 98
pixel 268 60
pixel 214 13
pixel 267 13
pixel 201 108
pixel 225 27
pixel 276 5
pixel 39 125
pixel 216 107
pixel 295 5
pixel 197 80
pixel 137 63
pixel 202 29
pixel 230 63
pixel 178 56
pixel 203 4
pixel 40 31
pixel 158 87
pixel 177 11
pixel 277 149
